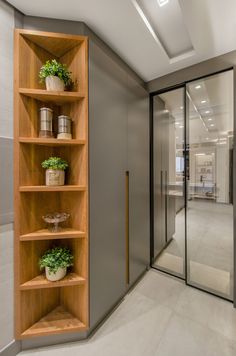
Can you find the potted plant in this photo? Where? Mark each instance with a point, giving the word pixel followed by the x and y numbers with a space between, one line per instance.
pixel 56 261
pixel 55 170
pixel 56 75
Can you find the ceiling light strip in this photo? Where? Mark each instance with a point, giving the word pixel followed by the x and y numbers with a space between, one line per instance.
pixel 149 27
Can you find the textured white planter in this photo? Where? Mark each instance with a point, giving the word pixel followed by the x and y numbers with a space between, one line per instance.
pixel 55 177
pixel 54 83
pixel 60 273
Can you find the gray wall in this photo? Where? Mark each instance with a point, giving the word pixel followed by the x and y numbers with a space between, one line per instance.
pixel 208 67
pixel 6 181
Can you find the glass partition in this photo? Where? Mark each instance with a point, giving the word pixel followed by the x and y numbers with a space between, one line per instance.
pixel 168 168
pixel 210 141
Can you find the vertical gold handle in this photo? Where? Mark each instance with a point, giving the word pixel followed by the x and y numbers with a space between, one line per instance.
pixel 127 225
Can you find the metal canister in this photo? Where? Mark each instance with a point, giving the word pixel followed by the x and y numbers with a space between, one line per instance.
pixel 64 127
pixel 46 127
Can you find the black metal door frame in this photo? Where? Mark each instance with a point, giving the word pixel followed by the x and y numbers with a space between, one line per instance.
pixel 186 172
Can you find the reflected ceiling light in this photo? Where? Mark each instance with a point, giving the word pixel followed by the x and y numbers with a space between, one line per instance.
pixel 162 2
pixel 200 154
pixel 181 126
pixel 209 119
pixel 203 101
pixel 207 112
pixel 222 138
pixel 207 138
pixel 181 107
pixel 212 125
pixel 177 123
pixel 177 137
pixel 198 87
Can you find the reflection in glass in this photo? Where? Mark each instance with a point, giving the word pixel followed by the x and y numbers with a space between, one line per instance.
pixel 168 166
pixel 210 198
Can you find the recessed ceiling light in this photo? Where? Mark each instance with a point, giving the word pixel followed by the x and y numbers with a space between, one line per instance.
pixel 203 101
pixel 212 125
pixel 162 2
pixel 210 119
pixel 207 112
pixel 198 87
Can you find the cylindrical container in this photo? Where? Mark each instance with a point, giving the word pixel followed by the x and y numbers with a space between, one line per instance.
pixel 64 127
pixel 46 129
pixel 55 177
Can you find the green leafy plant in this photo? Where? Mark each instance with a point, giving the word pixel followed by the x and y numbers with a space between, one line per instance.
pixel 52 67
pixel 55 258
pixel 55 163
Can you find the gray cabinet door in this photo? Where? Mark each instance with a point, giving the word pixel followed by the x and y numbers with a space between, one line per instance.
pixel 107 165
pixel 138 166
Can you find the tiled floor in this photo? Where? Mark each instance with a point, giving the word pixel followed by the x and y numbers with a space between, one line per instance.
pixel 160 317
pixel 210 246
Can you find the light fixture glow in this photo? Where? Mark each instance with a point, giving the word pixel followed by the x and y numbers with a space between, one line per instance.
pixel 212 125
pixel 207 112
pixel 177 123
pixel 181 126
pixel 203 101
pixel 198 87
pixel 181 107
pixel 162 2
pixel 210 119
pixel 200 154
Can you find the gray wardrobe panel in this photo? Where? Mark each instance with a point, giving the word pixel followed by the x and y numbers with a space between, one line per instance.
pixel 107 151
pixel 138 166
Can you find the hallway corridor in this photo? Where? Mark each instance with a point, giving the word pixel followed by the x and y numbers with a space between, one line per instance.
pixel 160 317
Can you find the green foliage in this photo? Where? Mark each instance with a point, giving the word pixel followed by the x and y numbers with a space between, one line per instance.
pixel 57 257
pixel 55 163
pixel 52 67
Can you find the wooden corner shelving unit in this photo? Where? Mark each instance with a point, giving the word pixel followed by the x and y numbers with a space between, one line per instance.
pixel 43 307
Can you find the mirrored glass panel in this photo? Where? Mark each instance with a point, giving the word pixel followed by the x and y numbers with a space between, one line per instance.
pixel 210 184
pixel 168 168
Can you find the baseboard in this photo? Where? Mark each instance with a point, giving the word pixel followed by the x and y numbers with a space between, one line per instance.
pixel 11 349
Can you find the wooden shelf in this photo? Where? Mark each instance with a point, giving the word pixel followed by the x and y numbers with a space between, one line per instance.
pixel 45 234
pixel 35 297
pixel 57 321
pixel 51 141
pixel 52 188
pixel 57 97
pixel 71 279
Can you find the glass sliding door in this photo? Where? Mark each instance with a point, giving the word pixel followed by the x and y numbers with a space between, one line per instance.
pixel 168 182
pixel 210 127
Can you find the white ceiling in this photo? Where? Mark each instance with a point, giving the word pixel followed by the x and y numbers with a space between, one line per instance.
pixel 210 25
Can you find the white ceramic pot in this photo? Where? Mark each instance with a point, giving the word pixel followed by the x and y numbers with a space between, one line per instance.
pixel 51 276
pixel 55 177
pixel 54 83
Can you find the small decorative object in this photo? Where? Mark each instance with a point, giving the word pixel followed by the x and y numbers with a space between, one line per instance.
pixel 55 75
pixel 55 261
pixel 54 219
pixel 64 127
pixel 55 170
pixel 45 122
